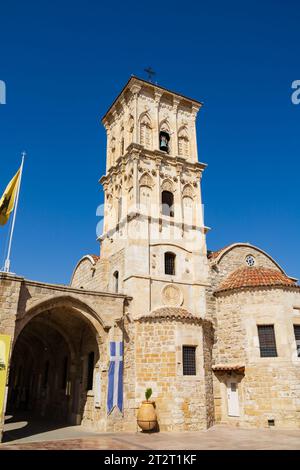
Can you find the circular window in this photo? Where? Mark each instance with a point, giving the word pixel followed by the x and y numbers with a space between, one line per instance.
pixel 250 260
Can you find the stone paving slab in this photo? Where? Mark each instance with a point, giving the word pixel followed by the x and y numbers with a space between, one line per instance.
pixel 217 437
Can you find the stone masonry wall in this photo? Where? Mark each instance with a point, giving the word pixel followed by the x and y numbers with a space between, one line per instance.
pixel 270 387
pixel 180 400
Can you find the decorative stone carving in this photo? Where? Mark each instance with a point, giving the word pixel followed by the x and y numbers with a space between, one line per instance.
pixel 167 186
pixel 146 180
pixel 188 191
pixel 172 295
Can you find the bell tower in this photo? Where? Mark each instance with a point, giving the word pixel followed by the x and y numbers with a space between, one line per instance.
pixel 153 243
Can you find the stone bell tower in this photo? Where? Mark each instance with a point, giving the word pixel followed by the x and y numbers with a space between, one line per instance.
pixel 153 241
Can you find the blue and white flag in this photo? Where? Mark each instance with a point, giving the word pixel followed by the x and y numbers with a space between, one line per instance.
pixel 115 377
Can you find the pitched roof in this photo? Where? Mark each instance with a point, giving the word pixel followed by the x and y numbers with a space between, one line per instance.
pixel 255 277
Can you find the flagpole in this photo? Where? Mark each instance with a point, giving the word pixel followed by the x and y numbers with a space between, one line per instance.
pixel 7 261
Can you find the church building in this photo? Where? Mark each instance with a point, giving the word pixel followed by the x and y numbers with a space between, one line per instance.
pixel 215 335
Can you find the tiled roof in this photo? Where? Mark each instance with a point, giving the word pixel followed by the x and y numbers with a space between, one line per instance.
pixel 170 312
pixel 225 367
pixel 214 254
pixel 255 277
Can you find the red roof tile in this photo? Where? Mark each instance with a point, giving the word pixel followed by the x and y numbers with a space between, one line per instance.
pixel 255 277
pixel 95 257
pixel 170 312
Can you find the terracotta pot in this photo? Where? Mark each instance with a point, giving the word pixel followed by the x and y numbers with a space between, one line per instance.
pixel 146 417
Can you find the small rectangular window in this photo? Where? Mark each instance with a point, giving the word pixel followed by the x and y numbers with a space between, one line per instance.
pixel 267 341
pixel 189 360
pixel 170 264
pixel 297 338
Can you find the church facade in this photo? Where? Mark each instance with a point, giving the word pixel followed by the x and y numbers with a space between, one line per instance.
pixel 216 335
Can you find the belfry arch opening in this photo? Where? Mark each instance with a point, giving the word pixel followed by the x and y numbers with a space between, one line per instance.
pixel 52 368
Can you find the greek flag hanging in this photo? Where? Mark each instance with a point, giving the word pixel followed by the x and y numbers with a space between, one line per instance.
pixel 115 377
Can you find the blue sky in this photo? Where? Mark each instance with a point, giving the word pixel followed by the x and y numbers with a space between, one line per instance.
pixel 65 61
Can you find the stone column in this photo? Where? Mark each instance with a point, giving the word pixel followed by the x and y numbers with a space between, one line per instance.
pixel 176 103
pixel 158 95
pixel 135 89
pixel 195 110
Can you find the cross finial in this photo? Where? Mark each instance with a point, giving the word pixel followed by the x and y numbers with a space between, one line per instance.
pixel 150 73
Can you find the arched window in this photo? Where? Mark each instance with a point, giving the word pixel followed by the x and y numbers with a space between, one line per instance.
pixel 183 143
pixel 170 263
pixel 146 132
pixel 188 204
pixel 146 184
pixel 116 282
pixel 167 202
pixel 164 139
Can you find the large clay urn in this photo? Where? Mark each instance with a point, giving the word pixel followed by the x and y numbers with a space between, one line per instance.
pixel 146 417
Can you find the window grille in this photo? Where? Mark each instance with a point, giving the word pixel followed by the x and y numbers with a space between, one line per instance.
pixel 170 263
pixel 267 341
pixel 297 338
pixel 189 360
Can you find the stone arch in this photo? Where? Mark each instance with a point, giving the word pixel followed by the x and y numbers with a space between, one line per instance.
pixel 63 331
pixel 87 312
pixel 218 255
pixel 145 193
pixel 92 259
pixel 165 126
pixel 146 180
pixel 167 185
pixel 188 191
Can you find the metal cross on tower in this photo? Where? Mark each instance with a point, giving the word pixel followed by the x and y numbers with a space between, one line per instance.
pixel 150 73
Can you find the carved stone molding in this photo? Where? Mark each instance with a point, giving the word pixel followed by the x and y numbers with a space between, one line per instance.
pixel 172 295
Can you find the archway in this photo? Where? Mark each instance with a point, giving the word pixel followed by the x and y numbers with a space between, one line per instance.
pixel 52 366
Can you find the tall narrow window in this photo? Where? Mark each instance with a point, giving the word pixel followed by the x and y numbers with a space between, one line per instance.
pixel 189 360
pixel 116 282
pixel 90 371
pixel 297 338
pixel 267 341
pixel 170 263
pixel 167 201
pixel 164 138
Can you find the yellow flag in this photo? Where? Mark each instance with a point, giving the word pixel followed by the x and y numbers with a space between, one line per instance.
pixel 7 201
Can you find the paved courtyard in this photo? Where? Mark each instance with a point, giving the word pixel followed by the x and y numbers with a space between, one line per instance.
pixel 36 435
